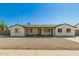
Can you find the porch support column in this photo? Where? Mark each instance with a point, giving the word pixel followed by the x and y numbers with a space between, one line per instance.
pixel 46 32
pixel 34 32
pixel 54 31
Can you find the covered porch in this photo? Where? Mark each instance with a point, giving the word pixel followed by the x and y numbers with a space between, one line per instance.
pixel 40 31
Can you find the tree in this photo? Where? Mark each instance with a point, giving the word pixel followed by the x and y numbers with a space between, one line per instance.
pixel 3 26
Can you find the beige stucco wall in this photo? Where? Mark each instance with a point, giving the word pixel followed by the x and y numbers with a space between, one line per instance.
pixel 64 33
pixel 34 31
pixel 12 31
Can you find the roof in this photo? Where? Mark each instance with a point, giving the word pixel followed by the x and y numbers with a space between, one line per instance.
pixel 65 24
pixel 15 25
pixel 77 24
pixel 41 25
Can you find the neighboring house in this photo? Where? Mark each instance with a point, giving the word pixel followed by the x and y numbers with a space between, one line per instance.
pixel 77 29
pixel 42 30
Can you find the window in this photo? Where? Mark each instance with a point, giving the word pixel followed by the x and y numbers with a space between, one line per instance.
pixel 17 30
pixel 59 30
pixel 31 30
pixel 68 30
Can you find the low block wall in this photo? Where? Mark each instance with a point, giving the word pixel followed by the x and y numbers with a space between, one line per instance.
pixel 4 32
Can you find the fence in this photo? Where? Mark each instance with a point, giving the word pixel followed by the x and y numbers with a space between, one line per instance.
pixel 77 32
pixel 4 32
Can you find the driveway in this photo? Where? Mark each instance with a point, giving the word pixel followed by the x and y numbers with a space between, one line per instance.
pixel 73 38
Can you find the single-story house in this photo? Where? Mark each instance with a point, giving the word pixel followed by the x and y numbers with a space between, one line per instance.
pixel 42 30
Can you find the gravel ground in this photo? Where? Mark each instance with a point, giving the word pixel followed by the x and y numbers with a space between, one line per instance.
pixel 38 44
pixel 54 43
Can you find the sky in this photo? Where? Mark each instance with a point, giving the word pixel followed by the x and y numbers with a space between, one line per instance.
pixel 39 13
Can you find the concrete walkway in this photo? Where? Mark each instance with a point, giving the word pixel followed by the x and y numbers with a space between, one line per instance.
pixel 73 38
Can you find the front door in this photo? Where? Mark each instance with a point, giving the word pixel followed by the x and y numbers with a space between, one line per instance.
pixel 39 31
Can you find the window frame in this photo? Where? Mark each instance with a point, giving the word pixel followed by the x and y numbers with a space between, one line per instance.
pixel 17 30
pixel 68 30
pixel 59 30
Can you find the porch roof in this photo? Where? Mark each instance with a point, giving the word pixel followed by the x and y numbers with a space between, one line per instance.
pixel 39 25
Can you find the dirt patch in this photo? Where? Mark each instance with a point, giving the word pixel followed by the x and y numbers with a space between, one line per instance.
pixel 38 44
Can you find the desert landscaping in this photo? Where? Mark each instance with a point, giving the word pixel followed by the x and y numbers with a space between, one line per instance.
pixel 34 46
pixel 38 44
